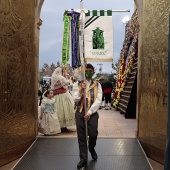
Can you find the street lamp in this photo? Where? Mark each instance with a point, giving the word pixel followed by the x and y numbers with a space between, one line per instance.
pixel 100 69
pixel 125 20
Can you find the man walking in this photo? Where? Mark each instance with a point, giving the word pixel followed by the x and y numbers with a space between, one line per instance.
pixel 93 92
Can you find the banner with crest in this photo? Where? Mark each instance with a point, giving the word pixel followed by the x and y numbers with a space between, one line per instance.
pixel 98 39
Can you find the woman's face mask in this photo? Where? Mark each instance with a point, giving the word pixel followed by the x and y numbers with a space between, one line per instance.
pixel 88 74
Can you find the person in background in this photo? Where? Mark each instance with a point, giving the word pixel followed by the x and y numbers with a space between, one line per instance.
pixel 40 97
pixel 48 85
pixel 107 90
pixel 48 119
pixel 41 94
pixel 93 92
pixel 44 82
pixel 63 99
pixel 67 76
pixel 101 81
pixel 72 85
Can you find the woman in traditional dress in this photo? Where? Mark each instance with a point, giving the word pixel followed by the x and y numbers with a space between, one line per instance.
pixel 63 100
pixel 48 120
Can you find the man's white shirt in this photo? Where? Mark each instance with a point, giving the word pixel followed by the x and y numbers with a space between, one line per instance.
pixel 95 106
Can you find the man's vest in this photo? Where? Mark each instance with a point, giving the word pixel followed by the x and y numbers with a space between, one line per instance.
pixel 91 96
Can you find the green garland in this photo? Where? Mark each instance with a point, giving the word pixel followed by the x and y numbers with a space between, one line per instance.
pixel 66 39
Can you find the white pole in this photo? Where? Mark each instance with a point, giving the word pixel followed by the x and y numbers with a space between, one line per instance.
pixel 112 10
pixel 82 55
pixel 104 10
pixel 81 4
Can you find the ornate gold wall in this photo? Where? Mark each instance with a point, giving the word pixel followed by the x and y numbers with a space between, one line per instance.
pixel 18 77
pixel 152 76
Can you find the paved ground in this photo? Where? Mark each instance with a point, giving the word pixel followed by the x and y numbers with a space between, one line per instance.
pixel 111 124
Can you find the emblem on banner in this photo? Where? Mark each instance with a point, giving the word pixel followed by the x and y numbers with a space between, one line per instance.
pixel 98 39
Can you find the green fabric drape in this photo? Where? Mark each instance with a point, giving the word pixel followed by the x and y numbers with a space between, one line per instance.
pixel 102 12
pixel 88 14
pixel 94 12
pixel 109 12
pixel 66 39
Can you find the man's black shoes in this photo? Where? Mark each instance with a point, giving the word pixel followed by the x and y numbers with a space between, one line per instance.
pixel 93 154
pixel 81 164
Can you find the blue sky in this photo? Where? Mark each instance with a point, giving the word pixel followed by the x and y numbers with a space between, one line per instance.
pixel 52 27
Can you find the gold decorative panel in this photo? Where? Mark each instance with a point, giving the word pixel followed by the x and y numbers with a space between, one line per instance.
pixel 18 70
pixel 152 97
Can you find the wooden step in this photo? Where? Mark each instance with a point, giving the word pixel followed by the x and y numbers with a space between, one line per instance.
pixel 132 77
pixel 135 64
pixel 123 110
pixel 125 91
pixel 135 59
pixel 133 73
pixel 122 107
pixel 135 67
pixel 126 97
pixel 124 100
pixel 129 82
pixel 121 104
pixel 123 95
pixel 128 87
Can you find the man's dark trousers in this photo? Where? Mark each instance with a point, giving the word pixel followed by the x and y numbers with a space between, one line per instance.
pixel 92 124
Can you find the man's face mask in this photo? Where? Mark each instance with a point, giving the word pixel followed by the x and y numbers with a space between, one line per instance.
pixel 88 74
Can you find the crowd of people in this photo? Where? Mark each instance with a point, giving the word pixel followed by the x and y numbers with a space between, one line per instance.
pixel 61 104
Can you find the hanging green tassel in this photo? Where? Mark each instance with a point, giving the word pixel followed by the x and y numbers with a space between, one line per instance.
pixel 66 39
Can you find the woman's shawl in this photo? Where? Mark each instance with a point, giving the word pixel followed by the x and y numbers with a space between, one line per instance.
pixel 59 81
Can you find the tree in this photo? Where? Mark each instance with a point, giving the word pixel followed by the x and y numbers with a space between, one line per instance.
pixel 116 66
pixel 98 76
pixel 58 64
pixel 48 70
pixel 111 77
pixel 53 67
